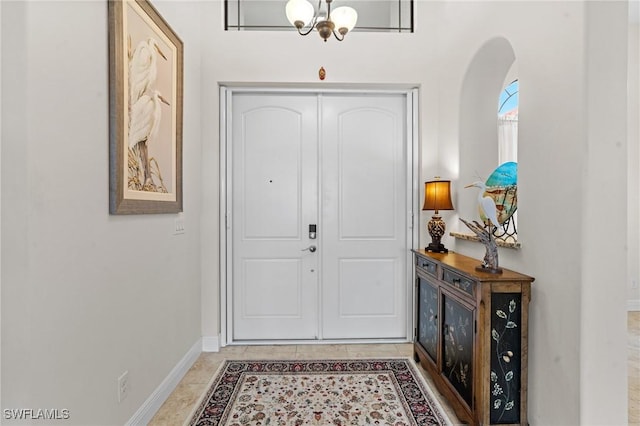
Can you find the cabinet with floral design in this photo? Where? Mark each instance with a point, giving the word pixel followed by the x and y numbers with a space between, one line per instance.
pixel 471 336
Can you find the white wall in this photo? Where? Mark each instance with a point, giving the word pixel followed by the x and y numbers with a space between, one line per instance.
pixel 86 295
pixel 604 180
pixel 563 158
pixel 549 40
pixel 100 294
pixel 550 73
pixel 633 124
pixel 568 146
pixel 0 197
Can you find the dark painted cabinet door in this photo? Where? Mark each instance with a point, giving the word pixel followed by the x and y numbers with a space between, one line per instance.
pixel 506 356
pixel 428 317
pixel 457 348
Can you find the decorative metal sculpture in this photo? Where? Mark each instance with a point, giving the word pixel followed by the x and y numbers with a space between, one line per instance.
pixel 490 262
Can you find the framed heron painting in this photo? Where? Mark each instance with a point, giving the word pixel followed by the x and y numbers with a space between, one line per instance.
pixel 145 110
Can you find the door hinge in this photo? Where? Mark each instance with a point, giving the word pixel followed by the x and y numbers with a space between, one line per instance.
pixel 475 326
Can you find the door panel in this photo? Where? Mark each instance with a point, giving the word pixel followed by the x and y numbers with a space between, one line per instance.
pixel 262 292
pixel 366 177
pixel 274 150
pixel 363 181
pixel 271 161
pixel 286 149
pixel 359 277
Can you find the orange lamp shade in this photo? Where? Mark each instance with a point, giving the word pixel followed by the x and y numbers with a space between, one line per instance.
pixel 437 195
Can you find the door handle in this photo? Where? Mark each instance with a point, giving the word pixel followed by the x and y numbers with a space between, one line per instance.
pixel 312 249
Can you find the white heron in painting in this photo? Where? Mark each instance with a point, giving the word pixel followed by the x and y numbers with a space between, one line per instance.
pixel 486 205
pixel 143 68
pixel 144 122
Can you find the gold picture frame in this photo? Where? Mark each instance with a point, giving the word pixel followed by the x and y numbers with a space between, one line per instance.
pixel 146 59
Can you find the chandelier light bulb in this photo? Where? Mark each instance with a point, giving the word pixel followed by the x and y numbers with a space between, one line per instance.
pixel 344 18
pixel 299 12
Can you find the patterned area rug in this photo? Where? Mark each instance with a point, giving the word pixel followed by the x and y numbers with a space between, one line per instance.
pixel 319 392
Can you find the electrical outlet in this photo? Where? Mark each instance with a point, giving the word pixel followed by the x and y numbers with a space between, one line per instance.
pixel 123 386
pixel 634 284
pixel 179 226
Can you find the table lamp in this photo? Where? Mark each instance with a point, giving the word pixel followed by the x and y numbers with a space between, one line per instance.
pixel 437 196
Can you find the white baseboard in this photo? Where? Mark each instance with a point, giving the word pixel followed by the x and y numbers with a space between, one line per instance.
pixel 151 406
pixel 633 305
pixel 211 344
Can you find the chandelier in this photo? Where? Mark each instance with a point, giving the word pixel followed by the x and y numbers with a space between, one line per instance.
pixel 305 18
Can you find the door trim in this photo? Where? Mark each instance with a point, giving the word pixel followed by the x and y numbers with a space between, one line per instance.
pixel 412 187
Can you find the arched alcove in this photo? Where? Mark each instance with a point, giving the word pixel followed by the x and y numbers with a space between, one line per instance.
pixel 491 67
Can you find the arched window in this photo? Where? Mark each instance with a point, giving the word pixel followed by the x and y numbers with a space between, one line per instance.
pixel 507 153
pixel 508 124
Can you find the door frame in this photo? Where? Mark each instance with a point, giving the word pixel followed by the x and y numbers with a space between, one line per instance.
pixel 412 185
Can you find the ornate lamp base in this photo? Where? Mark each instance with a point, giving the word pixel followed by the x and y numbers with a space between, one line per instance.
pixel 436 229
pixel 436 248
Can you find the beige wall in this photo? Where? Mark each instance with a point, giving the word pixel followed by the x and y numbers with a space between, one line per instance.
pixel 86 295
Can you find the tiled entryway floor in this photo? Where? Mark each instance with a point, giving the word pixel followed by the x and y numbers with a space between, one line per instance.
pixel 633 325
pixel 182 401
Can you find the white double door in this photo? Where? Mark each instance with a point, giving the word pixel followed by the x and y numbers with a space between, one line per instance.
pixel 338 162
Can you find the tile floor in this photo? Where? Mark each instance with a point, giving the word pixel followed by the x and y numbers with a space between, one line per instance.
pixel 633 325
pixel 180 403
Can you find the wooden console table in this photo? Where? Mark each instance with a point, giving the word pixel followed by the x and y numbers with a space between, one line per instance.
pixel 471 336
